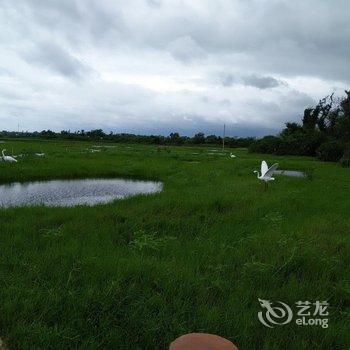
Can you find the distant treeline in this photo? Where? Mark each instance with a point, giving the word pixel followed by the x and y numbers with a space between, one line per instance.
pixel 324 133
pixel 99 135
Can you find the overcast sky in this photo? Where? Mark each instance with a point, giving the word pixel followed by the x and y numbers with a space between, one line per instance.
pixel 156 66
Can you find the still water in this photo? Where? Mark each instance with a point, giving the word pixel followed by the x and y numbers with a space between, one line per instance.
pixel 293 173
pixel 67 193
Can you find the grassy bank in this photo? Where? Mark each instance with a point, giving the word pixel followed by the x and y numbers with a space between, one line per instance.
pixel 136 273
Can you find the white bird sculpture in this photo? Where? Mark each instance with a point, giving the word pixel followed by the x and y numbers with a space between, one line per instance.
pixel 232 155
pixel 7 158
pixel 266 172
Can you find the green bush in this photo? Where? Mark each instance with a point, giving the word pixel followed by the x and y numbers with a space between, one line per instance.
pixel 268 144
pixel 331 151
pixel 345 159
pixel 299 143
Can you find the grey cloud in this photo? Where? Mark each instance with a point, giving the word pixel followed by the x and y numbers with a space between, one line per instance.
pixel 67 8
pixel 228 80
pixel 154 3
pixel 54 57
pixel 157 62
pixel 280 36
pixel 78 22
pixel 9 96
pixel 262 82
pixel 258 81
pixel 5 72
pixel 287 107
pixel 185 49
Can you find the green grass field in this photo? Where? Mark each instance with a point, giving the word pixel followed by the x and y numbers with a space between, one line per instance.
pixel 137 273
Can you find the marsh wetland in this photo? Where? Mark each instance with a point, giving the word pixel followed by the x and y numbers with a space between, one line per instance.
pixel 194 257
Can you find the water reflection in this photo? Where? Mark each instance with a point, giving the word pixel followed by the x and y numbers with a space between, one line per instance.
pixel 293 173
pixel 73 192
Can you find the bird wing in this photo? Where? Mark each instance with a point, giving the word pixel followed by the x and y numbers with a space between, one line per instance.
pixel 271 170
pixel 264 168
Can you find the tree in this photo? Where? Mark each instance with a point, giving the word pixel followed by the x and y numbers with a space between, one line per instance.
pixel 47 134
pixel 199 138
pixel 310 118
pixel 96 134
pixel 212 139
pixel 325 132
pixel 291 128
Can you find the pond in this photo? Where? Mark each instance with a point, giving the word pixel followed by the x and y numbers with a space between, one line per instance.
pixel 293 173
pixel 66 193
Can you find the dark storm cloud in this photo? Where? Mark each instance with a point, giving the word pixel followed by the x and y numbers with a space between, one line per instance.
pixel 54 57
pixel 77 21
pixel 130 64
pixel 286 37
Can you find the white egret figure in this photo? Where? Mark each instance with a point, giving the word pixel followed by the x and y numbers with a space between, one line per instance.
pixel 266 172
pixel 7 158
pixel 232 155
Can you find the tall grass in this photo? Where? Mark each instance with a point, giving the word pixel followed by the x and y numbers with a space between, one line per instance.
pixel 136 273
